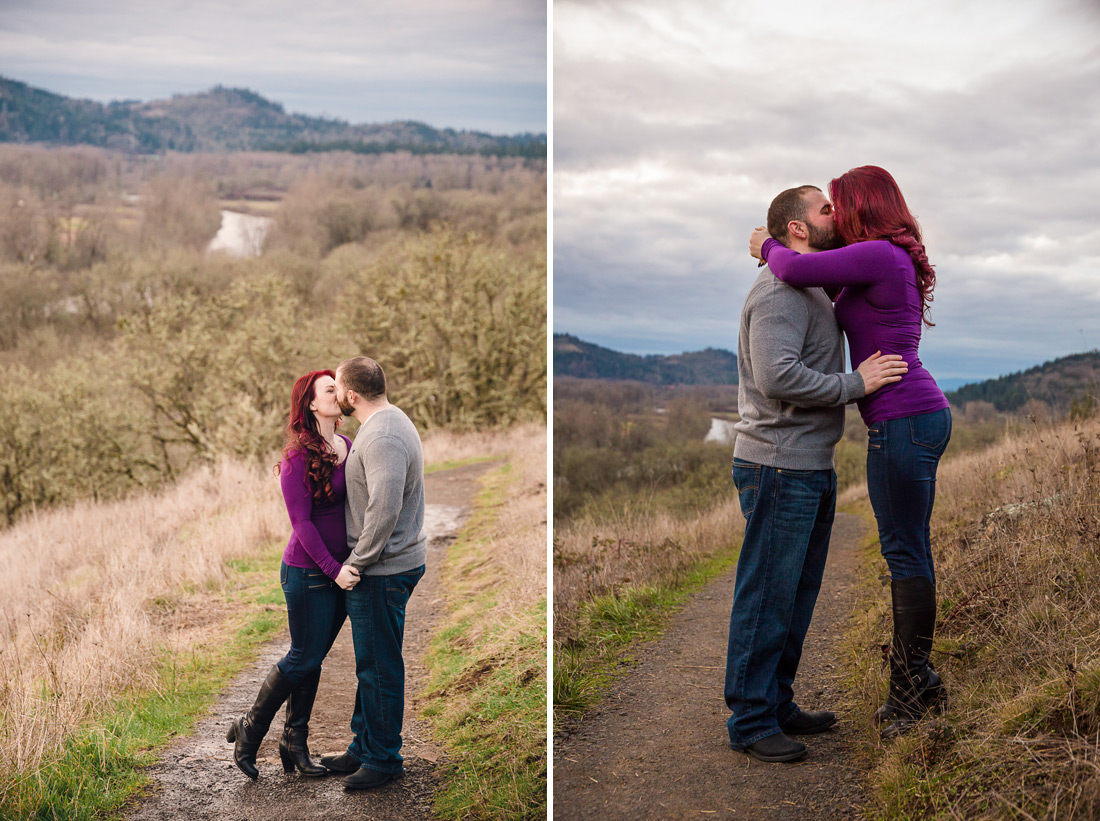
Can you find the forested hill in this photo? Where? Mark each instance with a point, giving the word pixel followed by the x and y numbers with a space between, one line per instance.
pixel 1060 383
pixel 576 358
pixel 225 119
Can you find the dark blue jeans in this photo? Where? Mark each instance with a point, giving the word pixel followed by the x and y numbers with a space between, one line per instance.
pixel 789 517
pixel 315 610
pixel 376 607
pixel 902 456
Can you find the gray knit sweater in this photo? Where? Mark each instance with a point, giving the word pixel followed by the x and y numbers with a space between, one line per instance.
pixel 790 365
pixel 385 501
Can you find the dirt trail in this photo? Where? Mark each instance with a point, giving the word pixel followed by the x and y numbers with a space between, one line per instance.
pixel 197 779
pixel 657 747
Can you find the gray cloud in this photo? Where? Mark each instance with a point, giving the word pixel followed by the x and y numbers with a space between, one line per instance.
pixel 662 169
pixel 465 64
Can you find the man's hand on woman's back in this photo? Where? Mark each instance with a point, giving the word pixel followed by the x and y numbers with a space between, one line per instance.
pixel 881 369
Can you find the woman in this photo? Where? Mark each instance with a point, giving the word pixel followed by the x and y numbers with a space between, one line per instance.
pixel 312 476
pixel 882 284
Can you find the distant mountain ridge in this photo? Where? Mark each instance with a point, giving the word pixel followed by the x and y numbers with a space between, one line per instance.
pixel 584 360
pixel 1060 383
pixel 225 119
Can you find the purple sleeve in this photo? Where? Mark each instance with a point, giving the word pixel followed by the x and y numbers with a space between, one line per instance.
pixel 861 263
pixel 299 504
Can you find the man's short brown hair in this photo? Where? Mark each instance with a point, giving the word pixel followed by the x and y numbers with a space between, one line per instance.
pixel 787 206
pixel 364 376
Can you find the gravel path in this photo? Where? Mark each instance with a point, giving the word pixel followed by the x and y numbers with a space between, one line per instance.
pixel 657 746
pixel 197 779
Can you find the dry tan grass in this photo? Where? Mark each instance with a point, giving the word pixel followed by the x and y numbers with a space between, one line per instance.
pixel 1016 537
pixel 520 530
pixel 91 593
pixel 637 549
pixel 488 701
pixel 513 557
pixel 446 446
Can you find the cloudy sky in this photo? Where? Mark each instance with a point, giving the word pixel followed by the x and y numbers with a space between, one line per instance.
pixel 675 125
pixel 465 64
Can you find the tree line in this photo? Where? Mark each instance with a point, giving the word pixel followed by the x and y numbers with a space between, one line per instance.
pixel 1068 384
pixel 226 119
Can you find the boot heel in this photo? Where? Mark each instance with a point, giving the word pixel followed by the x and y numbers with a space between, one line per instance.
pixel 231 735
pixel 288 762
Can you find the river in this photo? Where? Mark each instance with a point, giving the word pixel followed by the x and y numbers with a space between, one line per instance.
pixel 241 235
pixel 721 430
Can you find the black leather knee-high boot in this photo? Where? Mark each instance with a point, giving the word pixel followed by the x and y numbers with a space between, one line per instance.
pixel 293 749
pixel 915 686
pixel 248 731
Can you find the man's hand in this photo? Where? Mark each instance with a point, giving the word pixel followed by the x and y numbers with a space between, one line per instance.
pixel 879 369
pixel 348 576
pixel 757 240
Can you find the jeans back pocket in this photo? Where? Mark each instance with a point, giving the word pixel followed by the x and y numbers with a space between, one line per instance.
pixel 931 430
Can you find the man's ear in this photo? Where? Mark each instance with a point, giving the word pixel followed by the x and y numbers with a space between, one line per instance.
pixel 798 229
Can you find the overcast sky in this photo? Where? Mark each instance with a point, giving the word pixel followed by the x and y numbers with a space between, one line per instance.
pixel 465 64
pixel 676 124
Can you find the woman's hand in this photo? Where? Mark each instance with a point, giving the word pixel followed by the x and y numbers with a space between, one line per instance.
pixel 348 577
pixel 757 240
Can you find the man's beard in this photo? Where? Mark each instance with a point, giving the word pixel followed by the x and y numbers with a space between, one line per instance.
pixel 823 239
pixel 345 408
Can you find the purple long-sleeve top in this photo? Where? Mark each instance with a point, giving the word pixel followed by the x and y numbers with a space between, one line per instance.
pixel 878 307
pixel 319 536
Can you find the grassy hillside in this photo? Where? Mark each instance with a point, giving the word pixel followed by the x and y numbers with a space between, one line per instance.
pixel 487 696
pixel 105 664
pixel 1016 537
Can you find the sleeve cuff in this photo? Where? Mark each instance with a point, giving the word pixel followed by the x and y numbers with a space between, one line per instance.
pixel 853 386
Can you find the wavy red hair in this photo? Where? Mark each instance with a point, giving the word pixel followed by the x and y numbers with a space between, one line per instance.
pixel 302 434
pixel 867 204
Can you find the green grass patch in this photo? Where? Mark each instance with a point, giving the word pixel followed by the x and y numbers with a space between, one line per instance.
pixel 612 625
pixel 104 764
pixel 487 694
pixel 450 464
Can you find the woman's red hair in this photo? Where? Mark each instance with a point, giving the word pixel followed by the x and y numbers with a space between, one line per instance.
pixel 867 204
pixel 302 434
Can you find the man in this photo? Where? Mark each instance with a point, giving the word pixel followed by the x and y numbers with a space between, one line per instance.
pixel 385 521
pixel 790 363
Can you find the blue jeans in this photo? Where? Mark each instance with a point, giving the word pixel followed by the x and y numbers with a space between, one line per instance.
pixel 315 610
pixel 376 607
pixel 789 517
pixel 902 456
